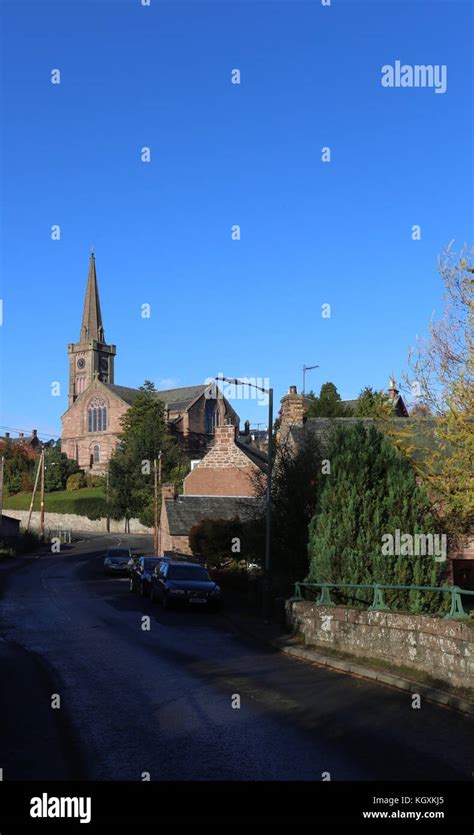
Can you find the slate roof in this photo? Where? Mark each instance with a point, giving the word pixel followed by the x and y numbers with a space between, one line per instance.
pixel 253 452
pixel 177 399
pixel 418 433
pixel 185 511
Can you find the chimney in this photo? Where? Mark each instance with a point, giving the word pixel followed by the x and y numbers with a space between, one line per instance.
pixel 35 432
pixel 224 436
pixel 167 491
pixel 21 435
pixel 7 434
pixel 292 409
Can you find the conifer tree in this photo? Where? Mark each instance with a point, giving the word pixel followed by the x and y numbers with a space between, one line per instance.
pixel 371 491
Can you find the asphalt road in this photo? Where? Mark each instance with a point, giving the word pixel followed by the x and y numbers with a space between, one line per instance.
pixel 160 701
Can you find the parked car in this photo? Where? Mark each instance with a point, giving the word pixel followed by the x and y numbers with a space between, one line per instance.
pixel 116 560
pixel 184 582
pixel 140 573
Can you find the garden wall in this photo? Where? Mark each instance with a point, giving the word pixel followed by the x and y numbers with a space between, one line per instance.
pixel 72 522
pixel 441 648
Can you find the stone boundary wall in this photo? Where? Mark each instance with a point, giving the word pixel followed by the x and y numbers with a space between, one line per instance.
pixel 441 648
pixel 73 522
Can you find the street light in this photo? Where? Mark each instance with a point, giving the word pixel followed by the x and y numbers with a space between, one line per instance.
pixel 268 521
pixel 305 369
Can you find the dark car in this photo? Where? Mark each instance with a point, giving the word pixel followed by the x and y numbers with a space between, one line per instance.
pixel 116 560
pixel 184 582
pixel 140 574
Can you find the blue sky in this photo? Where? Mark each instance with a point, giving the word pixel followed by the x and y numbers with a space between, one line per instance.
pixel 312 233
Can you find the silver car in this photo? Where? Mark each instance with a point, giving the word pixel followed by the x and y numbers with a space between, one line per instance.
pixel 116 560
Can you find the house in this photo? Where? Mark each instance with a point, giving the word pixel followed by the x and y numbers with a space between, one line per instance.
pixel 91 425
pixel 28 440
pixel 222 485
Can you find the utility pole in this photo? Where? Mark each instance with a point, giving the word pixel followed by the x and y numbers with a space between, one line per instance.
pixel 107 496
pixel 2 460
pixel 34 491
pixel 42 497
pixel 156 479
pixel 268 521
pixel 159 521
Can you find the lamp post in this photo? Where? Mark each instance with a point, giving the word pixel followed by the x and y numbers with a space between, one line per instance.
pixel 305 369
pixel 268 516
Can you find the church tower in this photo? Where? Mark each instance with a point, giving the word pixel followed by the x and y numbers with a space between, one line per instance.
pixel 90 358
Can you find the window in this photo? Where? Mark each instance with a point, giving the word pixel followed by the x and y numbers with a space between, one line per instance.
pixel 211 416
pixel 97 416
pixel 96 454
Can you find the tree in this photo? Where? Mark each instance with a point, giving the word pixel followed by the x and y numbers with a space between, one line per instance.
pixel 144 435
pixel 58 468
pixel 442 374
pixel 371 403
pixel 213 539
pixel 328 404
pixel 19 467
pixel 297 478
pixel 371 492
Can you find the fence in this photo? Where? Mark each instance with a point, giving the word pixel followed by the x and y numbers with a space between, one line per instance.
pixel 456 611
pixel 63 535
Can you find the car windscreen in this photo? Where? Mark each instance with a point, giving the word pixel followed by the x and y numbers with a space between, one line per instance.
pixel 150 564
pixel 121 553
pixel 187 572
pixel 119 559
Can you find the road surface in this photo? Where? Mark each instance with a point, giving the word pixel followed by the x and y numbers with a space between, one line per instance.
pixel 160 701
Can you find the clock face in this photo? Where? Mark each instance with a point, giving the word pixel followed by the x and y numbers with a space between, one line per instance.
pixel 81 363
pixel 104 364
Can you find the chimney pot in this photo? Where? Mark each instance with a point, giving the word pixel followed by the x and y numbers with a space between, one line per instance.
pixel 293 390
pixel 35 432
pixel 21 435
pixel 7 434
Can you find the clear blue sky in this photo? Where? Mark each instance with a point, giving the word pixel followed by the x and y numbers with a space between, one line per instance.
pixel 222 154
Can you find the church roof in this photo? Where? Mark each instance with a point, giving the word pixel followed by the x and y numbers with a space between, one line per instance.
pixel 177 399
pixel 92 327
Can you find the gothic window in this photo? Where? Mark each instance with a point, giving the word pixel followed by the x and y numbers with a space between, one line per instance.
pixel 97 416
pixel 96 454
pixel 211 415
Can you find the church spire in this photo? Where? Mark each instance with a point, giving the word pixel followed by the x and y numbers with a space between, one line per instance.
pixel 92 327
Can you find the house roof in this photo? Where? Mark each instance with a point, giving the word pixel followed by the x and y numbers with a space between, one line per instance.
pixel 419 435
pixel 177 399
pixel 185 511
pixel 252 452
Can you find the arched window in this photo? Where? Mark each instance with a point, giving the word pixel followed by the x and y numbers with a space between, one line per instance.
pixel 96 454
pixel 97 416
pixel 211 415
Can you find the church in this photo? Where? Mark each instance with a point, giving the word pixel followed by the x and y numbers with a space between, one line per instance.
pixel 91 425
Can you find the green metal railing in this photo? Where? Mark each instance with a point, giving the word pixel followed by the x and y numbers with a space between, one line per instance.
pixel 456 611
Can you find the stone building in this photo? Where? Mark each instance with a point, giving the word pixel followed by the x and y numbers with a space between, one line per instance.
pixel 91 424
pixel 221 486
